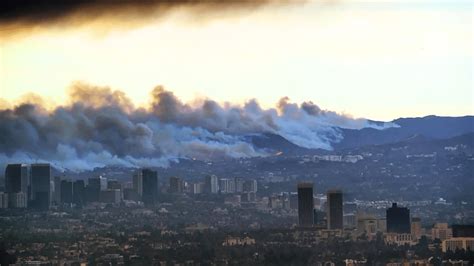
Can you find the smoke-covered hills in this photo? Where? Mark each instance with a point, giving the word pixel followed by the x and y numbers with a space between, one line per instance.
pixel 408 130
pixel 101 127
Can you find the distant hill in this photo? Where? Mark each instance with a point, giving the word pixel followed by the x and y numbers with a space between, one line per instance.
pixel 276 143
pixel 419 144
pixel 430 127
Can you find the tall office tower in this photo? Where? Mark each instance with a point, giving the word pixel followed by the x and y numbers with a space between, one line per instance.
pixel 93 189
pixel 57 189
pixel 198 188
pixel 441 231
pixel 416 228
pixel 176 185
pixel 17 184
pixel 463 230
pixel 79 193
pixel 138 183
pixel 398 220
pixel 211 184
pixel 103 183
pixel 250 185
pixel 150 186
pixel 66 191
pixel 335 215
pixel 16 178
pixel 305 204
pixel 239 185
pixel 227 185
pixel 41 186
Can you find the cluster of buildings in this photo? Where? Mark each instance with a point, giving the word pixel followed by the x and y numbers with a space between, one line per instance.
pixel 213 185
pixel 32 186
pixel 307 215
pixel 27 186
pixel 397 227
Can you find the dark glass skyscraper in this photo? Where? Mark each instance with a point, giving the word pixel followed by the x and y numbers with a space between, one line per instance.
pixel 335 209
pixel 398 220
pixel 176 185
pixel 463 230
pixel 93 189
pixel 78 193
pixel 40 186
pixel 305 204
pixel 16 178
pixel 150 186
pixel 66 191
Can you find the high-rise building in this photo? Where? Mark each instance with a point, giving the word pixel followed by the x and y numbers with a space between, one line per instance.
pixel 103 183
pixel 398 220
pixel 176 185
pixel 441 231
pixel 463 230
pixel 150 186
pixel 250 185
pixel 16 178
pixel 416 228
pixel 305 204
pixel 57 190
pixel 3 200
pixel 294 201
pixel 227 185
pixel 17 184
pixel 211 184
pixel 198 188
pixel 239 185
pixel 93 189
pixel 335 218
pixel 41 186
pixel 79 193
pixel 66 191
pixel 349 220
pixel 138 183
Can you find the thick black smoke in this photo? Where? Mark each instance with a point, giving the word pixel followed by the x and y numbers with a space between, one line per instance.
pixel 100 127
pixel 17 16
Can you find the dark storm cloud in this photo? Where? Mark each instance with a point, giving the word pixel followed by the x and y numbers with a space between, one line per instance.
pixel 100 126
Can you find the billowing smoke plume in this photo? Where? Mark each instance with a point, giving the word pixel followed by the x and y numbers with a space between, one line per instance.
pixel 100 127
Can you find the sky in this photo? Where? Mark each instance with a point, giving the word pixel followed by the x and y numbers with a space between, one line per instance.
pixel 374 59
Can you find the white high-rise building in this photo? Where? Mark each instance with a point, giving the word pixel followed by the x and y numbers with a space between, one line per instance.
pixel 227 185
